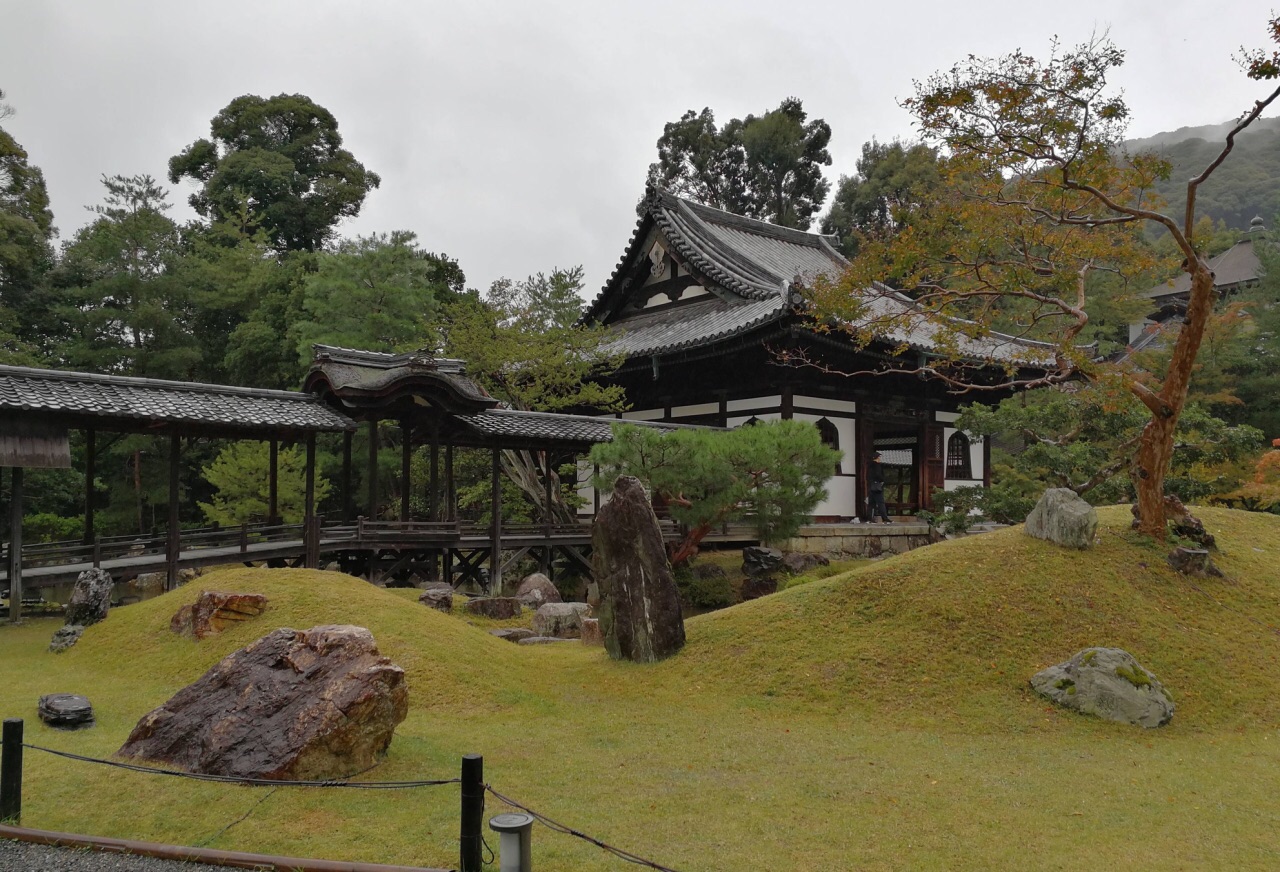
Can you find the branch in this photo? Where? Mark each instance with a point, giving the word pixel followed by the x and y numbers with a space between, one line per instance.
pixel 1195 183
pixel 1109 470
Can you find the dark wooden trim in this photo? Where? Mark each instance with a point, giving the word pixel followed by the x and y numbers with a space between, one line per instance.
pixel 788 409
pixel 372 470
pixel 495 508
pixel 406 456
pixel 433 480
pixel 15 544
pixel 348 497
pixel 450 493
pixel 986 461
pixel 90 470
pixel 310 527
pixel 173 541
pixel 273 482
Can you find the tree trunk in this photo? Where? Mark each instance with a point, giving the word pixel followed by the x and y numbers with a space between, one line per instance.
pixel 688 548
pixel 1155 451
pixel 522 467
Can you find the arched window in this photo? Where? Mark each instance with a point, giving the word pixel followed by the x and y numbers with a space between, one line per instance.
pixel 958 465
pixel 830 436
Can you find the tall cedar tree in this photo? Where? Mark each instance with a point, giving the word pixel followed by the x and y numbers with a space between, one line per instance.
pixel 284 157
pixel 1038 195
pixel 26 231
pixel 767 167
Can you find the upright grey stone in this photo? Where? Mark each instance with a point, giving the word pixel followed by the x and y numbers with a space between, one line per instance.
pixel 560 619
pixel 1109 683
pixel 639 607
pixel 90 598
pixel 1062 516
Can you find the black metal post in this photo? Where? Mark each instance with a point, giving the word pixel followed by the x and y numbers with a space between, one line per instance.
pixel 11 775
pixel 469 859
pixel 90 464
pixel 15 544
pixel 273 483
pixel 372 514
pixel 348 498
pixel 173 539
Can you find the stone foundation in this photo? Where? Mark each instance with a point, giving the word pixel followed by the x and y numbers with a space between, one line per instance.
pixel 860 540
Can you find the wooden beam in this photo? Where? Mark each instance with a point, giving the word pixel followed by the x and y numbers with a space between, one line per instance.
pixel 273 482
pixel 406 456
pixel 348 497
pixel 372 470
pixel 90 465
pixel 173 537
pixel 495 508
pixel 310 528
pixel 15 544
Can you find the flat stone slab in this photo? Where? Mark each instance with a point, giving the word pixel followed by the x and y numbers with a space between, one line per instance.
pixel 66 711
pixel 512 634
pixel 543 640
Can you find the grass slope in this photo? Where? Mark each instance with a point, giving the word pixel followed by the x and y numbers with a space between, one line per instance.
pixel 873 720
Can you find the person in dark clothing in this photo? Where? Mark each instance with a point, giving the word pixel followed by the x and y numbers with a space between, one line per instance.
pixel 875 486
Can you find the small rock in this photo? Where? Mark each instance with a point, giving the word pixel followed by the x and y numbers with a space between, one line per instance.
pixel 758 561
pixel 591 634
pixel 440 599
pixel 1193 561
pixel 66 711
pixel 708 571
pixel 90 598
pixel 512 634
pixel 537 589
pixel 1109 683
pixel 543 640
pixel 496 607
pixel 333 566
pixel 64 637
pixel 1062 516
pixel 149 582
pixel 563 620
pixel 798 562
pixel 214 611
pixel 754 588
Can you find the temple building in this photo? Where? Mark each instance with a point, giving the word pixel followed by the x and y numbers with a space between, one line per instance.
pixel 703 302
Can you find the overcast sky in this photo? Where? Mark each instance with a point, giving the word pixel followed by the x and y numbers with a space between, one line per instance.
pixel 515 136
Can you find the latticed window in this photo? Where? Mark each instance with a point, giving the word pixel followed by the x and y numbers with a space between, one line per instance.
pixel 958 465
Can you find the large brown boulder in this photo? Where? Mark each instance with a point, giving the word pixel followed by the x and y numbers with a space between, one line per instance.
pixel 500 608
pixel 639 607
pixel 537 590
pixel 214 611
pixel 304 705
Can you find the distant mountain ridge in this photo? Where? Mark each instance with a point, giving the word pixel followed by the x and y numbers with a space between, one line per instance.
pixel 1246 185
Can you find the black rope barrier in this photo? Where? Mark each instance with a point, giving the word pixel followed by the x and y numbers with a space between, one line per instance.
pixel 252 782
pixel 570 831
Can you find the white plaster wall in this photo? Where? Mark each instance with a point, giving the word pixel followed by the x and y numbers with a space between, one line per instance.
pixel 644 415
pixel 824 403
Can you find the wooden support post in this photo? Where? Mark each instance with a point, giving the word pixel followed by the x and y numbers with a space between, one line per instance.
pixel 273 483
pixel 546 515
pixel 450 494
pixel 90 465
pixel 406 457
pixel 372 471
pixel 348 498
pixel 173 539
pixel 595 489
pixel 310 525
pixel 11 773
pixel 433 483
pixel 495 526
pixel 15 544
pixel 471 837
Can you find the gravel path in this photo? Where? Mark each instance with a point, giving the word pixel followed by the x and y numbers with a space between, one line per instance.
pixel 25 857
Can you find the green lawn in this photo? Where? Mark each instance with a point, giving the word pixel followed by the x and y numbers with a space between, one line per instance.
pixel 877 719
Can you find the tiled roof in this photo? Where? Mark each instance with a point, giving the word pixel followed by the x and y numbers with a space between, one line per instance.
pixel 510 424
pixel 352 372
pixel 1236 266
pixel 163 402
pixel 753 265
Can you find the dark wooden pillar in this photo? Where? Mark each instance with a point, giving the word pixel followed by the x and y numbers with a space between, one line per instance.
pixel 372 471
pixel 173 538
pixel 495 526
pixel 450 492
pixel 348 497
pixel 310 525
pixel 406 457
pixel 15 544
pixel 547 516
pixel 90 470
pixel 433 482
pixel 273 483
pixel 986 461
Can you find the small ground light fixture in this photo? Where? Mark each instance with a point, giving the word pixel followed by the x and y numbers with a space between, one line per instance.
pixel 514 840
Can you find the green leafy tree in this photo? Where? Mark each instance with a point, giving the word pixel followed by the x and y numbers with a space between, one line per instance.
pixel 879 198
pixel 772 473
pixel 767 167
pixel 374 292
pixel 125 311
pixel 1037 194
pixel 521 345
pixel 239 475
pixel 26 253
pixel 283 156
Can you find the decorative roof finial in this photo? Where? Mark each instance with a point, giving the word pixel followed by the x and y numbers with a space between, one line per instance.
pixel 1256 226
